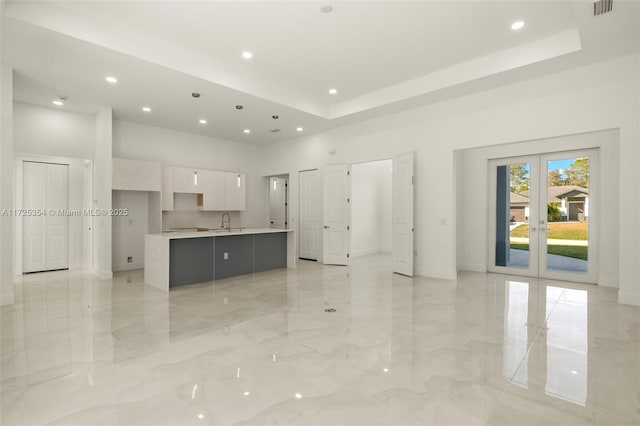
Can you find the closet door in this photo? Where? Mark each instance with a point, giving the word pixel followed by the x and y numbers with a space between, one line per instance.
pixel 34 228
pixel 58 223
pixel 45 244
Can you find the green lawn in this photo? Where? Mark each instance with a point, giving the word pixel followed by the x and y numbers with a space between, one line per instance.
pixel 558 231
pixel 577 252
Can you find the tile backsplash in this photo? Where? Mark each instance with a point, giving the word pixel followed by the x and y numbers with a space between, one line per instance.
pixel 198 219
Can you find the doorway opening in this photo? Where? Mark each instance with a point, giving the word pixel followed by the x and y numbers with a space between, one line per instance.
pixel 371 208
pixel 279 201
pixel 542 220
pixel 337 217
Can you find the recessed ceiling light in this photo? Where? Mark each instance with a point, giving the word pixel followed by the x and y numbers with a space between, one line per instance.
pixel 203 121
pixel 146 109
pixel 247 130
pixel 332 91
pixel 518 25
pixel 247 55
pixel 299 129
pixel 111 79
pixel 58 102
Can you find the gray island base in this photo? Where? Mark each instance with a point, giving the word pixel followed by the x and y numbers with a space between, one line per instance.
pixel 177 259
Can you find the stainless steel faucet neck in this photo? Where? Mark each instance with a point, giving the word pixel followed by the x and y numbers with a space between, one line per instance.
pixel 228 221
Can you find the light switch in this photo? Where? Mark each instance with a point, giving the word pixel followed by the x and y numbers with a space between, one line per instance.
pixel 226 255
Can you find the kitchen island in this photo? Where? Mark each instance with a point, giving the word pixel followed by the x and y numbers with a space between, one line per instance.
pixel 179 258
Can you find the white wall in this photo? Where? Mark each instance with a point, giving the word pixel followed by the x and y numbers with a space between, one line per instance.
pixel 590 98
pixel 49 131
pixel 129 231
pixel 472 186
pixel 6 183
pixel 174 148
pixel 371 210
pixel 55 135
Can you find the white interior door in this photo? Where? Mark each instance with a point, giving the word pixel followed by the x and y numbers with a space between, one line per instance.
pixel 403 214
pixel 336 209
pixel 45 243
pixel 34 228
pixel 57 224
pixel 277 202
pixel 309 214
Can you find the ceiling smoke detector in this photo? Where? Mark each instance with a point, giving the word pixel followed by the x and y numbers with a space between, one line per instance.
pixel 326 9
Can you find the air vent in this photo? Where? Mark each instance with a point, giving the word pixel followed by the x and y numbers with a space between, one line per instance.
pixel 601 7
pixel 275 130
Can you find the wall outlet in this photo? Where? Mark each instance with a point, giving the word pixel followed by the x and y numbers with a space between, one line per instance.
pixel 129 259
pixel 226 255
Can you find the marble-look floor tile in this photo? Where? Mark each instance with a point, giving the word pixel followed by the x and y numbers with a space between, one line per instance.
pixel 261 349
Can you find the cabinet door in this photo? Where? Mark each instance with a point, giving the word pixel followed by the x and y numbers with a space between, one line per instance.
pixel 124 174
pixel 182 180
pixel 136 175
pixel 214 190
pixel 235 191
pixel 167 188
pixel 149 176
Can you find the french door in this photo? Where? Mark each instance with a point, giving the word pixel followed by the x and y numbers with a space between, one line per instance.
pixel 543 215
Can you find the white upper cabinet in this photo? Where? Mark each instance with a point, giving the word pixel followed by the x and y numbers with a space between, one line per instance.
pixel 214 190
pixel 221 191
pixel 167 188
pixel 235 191
pixel 134 175
pixel 187 180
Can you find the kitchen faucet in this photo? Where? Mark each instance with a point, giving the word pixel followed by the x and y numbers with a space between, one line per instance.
pixel 228 221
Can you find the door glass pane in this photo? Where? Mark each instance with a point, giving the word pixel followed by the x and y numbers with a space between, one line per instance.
pixel 512 215
pixel 567 199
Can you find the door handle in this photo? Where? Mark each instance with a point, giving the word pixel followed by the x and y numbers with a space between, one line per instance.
pixel 326 227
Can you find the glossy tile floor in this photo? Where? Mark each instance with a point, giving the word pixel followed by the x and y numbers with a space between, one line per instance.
pixel 261 350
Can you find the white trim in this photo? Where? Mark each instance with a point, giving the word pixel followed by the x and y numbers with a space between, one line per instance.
pixel 472 267
pixel 103 275
pixel 629 299
pixel 608 282
pixel 444 274
pixel 128 266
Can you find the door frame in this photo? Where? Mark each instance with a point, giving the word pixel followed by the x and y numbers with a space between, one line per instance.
pixel 318 230
pixel 19 204
pixel 537 263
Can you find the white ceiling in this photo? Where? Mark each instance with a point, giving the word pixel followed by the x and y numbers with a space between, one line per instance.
pixel 382 56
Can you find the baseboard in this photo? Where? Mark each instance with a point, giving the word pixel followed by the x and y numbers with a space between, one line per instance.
pixel 608 282
pixel 472 267
pixel 103 275
pixel 128 266
pixel 365 252
pixel 629 299
pixel 7 299
pixel 445 274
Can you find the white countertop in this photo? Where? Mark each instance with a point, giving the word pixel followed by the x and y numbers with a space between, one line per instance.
pixel 218 233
